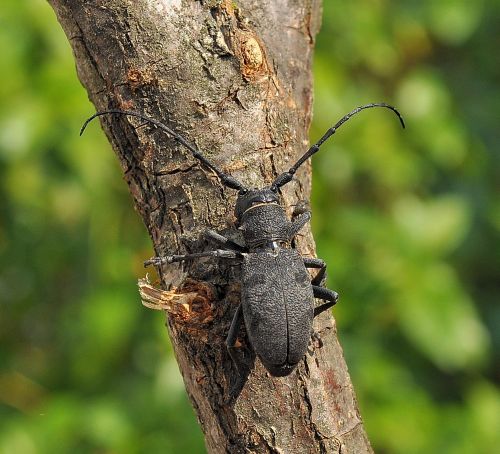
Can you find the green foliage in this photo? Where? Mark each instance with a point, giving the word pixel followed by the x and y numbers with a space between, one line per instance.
pixel 408 222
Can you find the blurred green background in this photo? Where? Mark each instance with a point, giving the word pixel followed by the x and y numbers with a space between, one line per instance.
pixel 408 222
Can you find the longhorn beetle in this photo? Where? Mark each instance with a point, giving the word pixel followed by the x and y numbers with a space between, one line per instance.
pixel 277 293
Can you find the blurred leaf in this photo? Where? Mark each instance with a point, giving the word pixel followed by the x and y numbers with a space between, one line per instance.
pixel 454 20
pixel 422 95
pixel 16 439
pixel 435 227
pixel 483 401
pixel 439 318
pixel 106 425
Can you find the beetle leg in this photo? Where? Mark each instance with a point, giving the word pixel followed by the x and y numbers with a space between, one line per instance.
pixel 225 241
pixel 319 289
pixel 242 366
pixel 232 336
pixel 316 263
pixel 300 221
pixel 301 207
pixel 219 253
pixel 325 294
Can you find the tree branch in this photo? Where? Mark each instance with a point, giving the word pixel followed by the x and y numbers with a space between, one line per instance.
pixel 235 81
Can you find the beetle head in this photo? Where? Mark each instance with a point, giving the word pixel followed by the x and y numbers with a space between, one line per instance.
pixel 252 197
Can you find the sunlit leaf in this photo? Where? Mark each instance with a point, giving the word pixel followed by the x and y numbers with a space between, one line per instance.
pixel 439 318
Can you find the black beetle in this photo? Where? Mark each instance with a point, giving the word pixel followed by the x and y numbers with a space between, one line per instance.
pixel 277 296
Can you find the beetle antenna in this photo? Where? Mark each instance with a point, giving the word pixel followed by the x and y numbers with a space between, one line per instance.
pixel 286 177
pixel 227 180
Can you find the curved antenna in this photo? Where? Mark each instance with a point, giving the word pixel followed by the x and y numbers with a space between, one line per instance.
pixel 286 177
pixel 227 180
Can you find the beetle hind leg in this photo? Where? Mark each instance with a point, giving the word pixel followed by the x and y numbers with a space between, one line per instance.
pixel 327 295
pixel 232 336
pixel 242 367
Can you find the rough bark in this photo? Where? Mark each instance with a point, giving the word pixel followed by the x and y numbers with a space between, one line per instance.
pixel 234 78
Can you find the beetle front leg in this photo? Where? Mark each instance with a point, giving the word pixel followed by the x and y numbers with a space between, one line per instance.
pixel 302 206
pixel 300 221
pixel 219 253
pixel 224 241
